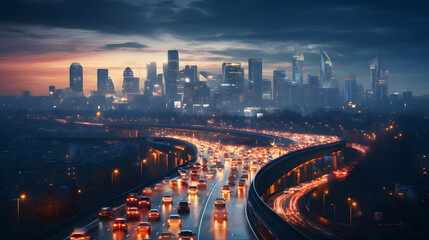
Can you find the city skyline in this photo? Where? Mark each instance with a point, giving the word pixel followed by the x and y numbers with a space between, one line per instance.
pixel 48 45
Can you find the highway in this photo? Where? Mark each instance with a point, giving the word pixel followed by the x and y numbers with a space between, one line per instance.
pixel 200 220
pixel 290 204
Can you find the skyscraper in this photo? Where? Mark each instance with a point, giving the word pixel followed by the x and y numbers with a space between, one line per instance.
pixel 130 84
pixel 350 89
pixel 232 86
pixel 298 65
pixel 102 80
pixel 171 75
pixel 379 79
pixel 51 91
pixel 313 81
pixel 255 76
pixel 76 78
pixel 327 79
pixel 279 82
pixel 151 79
pixel 194 74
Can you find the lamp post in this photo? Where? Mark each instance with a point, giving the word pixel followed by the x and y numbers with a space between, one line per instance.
pixel 352 204
pixel 324 193
pixel 334 210
pixel 18 199
pixel 114 172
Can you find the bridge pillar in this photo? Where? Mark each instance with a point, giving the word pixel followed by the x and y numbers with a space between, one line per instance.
pixel 335 161
pixel 298 176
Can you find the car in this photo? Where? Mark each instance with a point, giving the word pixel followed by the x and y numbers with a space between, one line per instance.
pixel 105 212
pixel 158 187
pixel 144 202
pixel 154 215
pixel 195 175
pixel 79 234
pixel 193 190
pixel 201 183
pixel 147 191
pixel 144 227
pixel 211 174
pixel 167 199
pixel 183 182
pixel 166 235
pixel 231 180
pixel 244 174
pixel 132 199
pixel 133 213
pixel 166 180
pixel 242 184
pixel 183 207
pixel 197 166
pixel 174 183
pixel 220 210
pixel 186 235
pixel 120 224
pixel 205 167
pixel 226 189
pixel 174 219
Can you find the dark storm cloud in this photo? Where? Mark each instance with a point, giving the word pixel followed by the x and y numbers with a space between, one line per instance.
pixel 351 31
pixel 129 45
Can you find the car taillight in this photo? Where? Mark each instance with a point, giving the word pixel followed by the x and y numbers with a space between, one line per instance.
pixel 114 224
pixel 123 225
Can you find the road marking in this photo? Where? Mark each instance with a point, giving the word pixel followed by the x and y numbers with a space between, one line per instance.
pixel 205 207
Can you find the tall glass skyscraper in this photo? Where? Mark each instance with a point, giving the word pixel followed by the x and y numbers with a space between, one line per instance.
pixel 379 79
pixel 255 76
pixel 102 80
pixel 298 66
pixel 76 78
pixel 350 89
pixel 327 79
pixel 171 75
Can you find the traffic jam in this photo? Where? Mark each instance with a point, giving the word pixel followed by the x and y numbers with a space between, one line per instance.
pixel 176 208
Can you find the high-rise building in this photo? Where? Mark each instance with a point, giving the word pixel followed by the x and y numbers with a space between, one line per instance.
pixel 130 84
pixel 255 77
pixel 350 89
pixel 51 91
pixel 102 80
pixel 298 65
pixel 327 79
pixel 232 86
pixel 76 78
pixel 379 79
pixel 279 82
pixel 170 75
pixel 313 81
pixel 150 82
pixel 194 74
pixel 151 71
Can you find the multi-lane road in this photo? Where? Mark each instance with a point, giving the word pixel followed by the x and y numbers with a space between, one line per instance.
pixel 200 220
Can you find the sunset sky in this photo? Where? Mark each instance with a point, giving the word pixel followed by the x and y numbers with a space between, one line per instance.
pixel 39 39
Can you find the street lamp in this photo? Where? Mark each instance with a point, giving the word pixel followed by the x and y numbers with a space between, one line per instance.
pixel 334 210
pixel 352 204
pixel 324 193
pixel 22 197
pixel 116 171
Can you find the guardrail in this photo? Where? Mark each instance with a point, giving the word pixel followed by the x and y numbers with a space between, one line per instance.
pixel 94 209
pixel 264 221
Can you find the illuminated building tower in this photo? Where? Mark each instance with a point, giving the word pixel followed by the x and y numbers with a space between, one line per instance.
pixel 379 79
pixel 255 77
pixel 151 78
pixel 298 66
pixel 350 89
pixel 130 84
pixel 327 79
pixel 76 78
pixel 51 91
pixel 170 75
pixel 279 85
pixel 232 86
